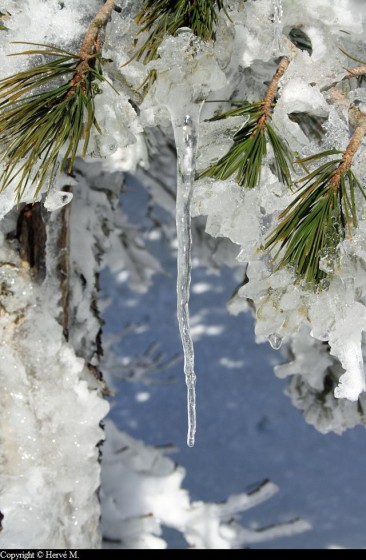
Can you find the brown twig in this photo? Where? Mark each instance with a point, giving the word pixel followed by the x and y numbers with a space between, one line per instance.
pixel 31 233
pixel 349 153
pixel 357 71
pixel 267 103
pixel 351 73
pixel 91 44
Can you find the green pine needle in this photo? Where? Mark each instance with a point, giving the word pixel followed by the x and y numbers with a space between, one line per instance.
pixel 245 157
pixel 43 111
pixel 317 219
pixel 161 18
pixel 351 58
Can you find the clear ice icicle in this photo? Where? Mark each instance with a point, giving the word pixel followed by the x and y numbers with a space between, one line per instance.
pixel 277 25
pixel 275 341
pixel 185 130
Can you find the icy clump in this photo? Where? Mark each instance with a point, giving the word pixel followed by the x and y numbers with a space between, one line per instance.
pixel 57 199
pixel 345 343
pixel 187 72
pixel 298 96
pixel 313 375
pixel 142 492
pixel 338 14
pixel 254 32
pixel 7 200
pixel 117 119
pixel 277 26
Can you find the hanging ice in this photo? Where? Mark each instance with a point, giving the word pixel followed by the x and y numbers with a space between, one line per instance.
pixel 277 26
pixel 186 143
pixel 275 341
pixel 183 82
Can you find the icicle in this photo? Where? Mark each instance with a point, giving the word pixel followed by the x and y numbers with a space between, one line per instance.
pixel 187 72
pixel 275 341
pixel 277 26
pixel 185 131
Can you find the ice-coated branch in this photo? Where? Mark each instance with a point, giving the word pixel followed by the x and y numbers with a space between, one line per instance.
pixel 91 43
pixel 99 21
pixel 272 89
pixel 245 157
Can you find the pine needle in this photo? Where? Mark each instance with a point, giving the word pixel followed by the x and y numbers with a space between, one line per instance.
pixel 48 110
pixel 43 111
pixel 321 215
pixel 245 157
pixel 161 18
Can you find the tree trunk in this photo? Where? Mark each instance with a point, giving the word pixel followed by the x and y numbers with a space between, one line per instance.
pixel 51 398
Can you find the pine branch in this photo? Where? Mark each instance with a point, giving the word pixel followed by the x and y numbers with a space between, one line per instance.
pixel 322 213
pixel 245 157
pixel 356 72
pixel 161 18
pixel 36 125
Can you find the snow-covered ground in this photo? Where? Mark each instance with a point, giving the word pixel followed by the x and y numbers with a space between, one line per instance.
pixel 248 429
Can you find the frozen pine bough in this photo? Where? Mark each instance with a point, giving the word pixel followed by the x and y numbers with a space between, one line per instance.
pixel 330 317
pixel 311 114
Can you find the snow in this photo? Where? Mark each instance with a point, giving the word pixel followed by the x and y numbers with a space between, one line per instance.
pixel 49 422
pixel 149 495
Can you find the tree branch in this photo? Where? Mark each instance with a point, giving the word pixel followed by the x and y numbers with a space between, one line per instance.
pixel 349 153
pixel 357 71
pixel 92 43
pixel 267 102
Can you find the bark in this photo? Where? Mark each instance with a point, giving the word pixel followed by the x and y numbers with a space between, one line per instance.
pixel 50 339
